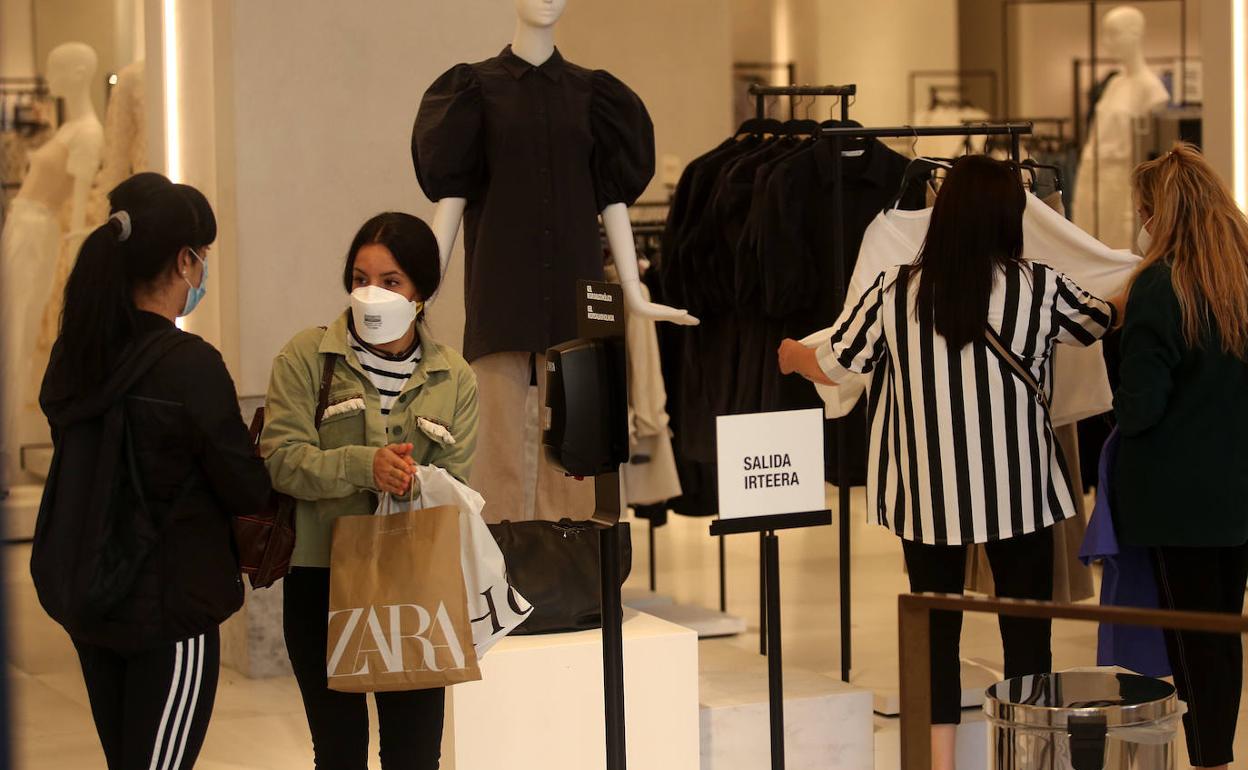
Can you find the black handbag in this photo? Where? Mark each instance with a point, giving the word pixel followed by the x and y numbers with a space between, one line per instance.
pixel 555 567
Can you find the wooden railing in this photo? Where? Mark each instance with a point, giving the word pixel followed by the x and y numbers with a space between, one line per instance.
pixel 914 628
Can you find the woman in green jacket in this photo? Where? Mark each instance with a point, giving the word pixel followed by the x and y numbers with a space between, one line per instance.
pixel 1181 484
pixel 396 399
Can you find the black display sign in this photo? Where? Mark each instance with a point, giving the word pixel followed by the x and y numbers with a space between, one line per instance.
pixel 600 310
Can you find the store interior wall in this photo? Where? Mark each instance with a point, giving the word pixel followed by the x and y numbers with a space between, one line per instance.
pixel 1042 79
pixel 876 45
pixel 676 55
pixel 17 39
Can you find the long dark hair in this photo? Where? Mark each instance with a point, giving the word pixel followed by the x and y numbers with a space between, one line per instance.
pixel 976 229
pixel 411 242
pixel 155 220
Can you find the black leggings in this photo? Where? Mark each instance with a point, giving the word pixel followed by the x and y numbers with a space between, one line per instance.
pixel 1022 568
pixel 410 722
pixel 1208 668
pixel 152 708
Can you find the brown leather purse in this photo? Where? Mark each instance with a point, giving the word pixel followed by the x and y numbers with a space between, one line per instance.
pixel 266 539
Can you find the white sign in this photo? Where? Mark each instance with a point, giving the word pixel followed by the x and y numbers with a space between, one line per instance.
pixel 770 463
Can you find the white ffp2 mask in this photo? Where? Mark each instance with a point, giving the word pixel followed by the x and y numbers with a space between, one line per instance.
pixel 1144 241
pixel 381 315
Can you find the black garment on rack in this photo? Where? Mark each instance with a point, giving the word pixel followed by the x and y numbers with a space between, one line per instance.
pixel 796 277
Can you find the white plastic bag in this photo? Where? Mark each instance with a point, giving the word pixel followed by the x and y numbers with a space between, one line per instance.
pixel 494 607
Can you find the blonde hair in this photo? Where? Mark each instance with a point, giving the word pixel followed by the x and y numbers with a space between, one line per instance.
pixel 1199 232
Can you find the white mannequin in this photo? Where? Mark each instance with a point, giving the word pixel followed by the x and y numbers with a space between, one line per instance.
pixel 79 140
pixel 534 41
pixel 1109 156
pixel 34 249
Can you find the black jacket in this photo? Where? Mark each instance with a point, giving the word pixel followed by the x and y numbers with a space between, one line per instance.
pixel 1182 473
pixel 131 566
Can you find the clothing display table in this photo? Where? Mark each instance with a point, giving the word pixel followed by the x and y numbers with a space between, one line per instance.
pixel 827 723
pixel 539 703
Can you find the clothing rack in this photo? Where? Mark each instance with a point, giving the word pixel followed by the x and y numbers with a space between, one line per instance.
pixel 838 135
pixel 760 94
pixel 22 88
pixel 961 78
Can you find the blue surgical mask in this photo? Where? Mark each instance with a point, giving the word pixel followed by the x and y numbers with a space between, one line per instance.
pixel 195 293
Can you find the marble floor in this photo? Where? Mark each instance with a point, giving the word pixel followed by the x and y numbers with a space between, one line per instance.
pixel 260 724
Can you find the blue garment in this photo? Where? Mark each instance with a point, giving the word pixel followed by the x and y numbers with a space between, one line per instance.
pixel 1128 580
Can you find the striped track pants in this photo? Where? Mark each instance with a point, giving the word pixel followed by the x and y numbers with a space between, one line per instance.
pixel 152 708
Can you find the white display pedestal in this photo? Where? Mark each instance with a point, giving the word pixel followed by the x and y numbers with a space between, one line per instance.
pixel 710 624
pixel 540 703
pixel 827 723
pixel 19 511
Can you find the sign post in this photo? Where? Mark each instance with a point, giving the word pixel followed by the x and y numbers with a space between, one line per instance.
pixel 771 478
pixel 601 316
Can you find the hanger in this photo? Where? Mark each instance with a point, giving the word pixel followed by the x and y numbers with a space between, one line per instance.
pixel 759 127
pixel 1031 164
pixel 800 127
pixel 919 168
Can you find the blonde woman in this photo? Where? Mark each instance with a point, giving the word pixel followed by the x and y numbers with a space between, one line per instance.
pixel 1182 405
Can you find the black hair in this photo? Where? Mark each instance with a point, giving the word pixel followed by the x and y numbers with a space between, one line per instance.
pixel 976 229
pixel 411 242
pixel 127 252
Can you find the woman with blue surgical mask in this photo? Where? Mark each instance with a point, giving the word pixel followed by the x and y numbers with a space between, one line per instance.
pixel 394 398
pixel 133 551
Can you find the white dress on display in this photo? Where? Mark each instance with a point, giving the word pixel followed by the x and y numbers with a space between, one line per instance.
pixel 30 247
pixel 1103 205
pixel 125 137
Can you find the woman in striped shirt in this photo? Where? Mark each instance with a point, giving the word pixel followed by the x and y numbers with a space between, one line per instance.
pixel 961 446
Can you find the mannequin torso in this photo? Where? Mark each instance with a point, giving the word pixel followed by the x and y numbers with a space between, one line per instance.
pixel 51 179
pixel 1103 204
pixel 534 42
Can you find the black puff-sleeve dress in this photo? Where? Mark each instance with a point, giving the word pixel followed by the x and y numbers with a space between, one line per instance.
pixel 537 152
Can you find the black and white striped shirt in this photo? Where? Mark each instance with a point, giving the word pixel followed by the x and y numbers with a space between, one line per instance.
pixel 388 375
pixel 961 450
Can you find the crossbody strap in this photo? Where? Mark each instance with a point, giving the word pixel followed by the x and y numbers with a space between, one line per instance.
pixel 327 381
pixel 1006 355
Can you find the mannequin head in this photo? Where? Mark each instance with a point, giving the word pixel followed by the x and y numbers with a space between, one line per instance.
pixel 541 14
pixel 70 69
pixel 1124 32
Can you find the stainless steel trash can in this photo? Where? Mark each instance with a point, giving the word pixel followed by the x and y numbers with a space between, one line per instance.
pixel 1082 721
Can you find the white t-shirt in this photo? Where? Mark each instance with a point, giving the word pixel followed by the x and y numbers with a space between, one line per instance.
pixel 1080 381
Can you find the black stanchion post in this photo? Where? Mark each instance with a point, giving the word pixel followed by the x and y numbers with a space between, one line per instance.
pixel 612 645
pixel 762 594
pixel 723 577
pixel 775 670
pixel 766 527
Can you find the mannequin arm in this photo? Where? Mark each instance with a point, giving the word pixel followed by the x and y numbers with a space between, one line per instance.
pixel 624 253
pixel 447 216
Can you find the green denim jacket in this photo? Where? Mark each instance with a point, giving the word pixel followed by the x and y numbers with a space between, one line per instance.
pixel 330 473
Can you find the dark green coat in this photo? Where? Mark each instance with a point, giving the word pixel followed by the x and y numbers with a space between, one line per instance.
pixel 1182 473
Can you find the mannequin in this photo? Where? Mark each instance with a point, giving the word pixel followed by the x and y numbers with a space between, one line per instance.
pixel 1103 205
pixel 510 471
pixel 534 41
pixel 125 136
pixel 60 175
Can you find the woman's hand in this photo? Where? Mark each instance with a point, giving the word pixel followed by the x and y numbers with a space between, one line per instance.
pixel 796 358
pixel 393 469
pixel 792 354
